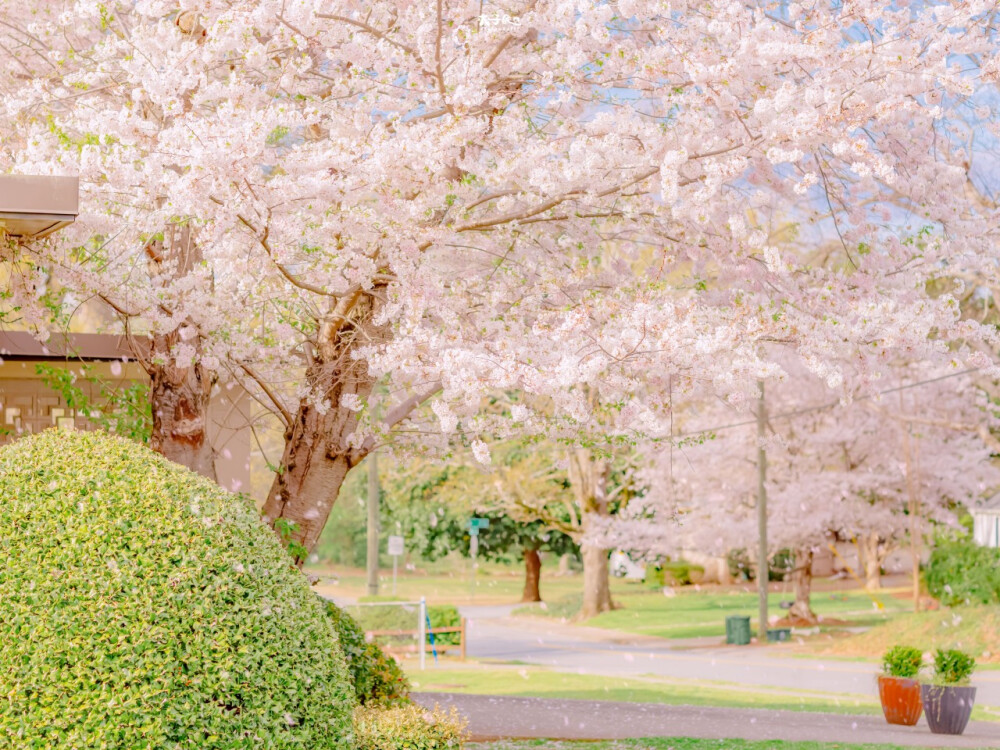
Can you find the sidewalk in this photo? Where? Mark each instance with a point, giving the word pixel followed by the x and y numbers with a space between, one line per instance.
pixel 493 717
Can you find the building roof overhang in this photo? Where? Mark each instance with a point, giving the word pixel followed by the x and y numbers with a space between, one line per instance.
pixel 99 347
pixel 33 206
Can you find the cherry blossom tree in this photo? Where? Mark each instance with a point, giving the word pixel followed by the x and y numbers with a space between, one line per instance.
pixel 834 471
pixel 394 202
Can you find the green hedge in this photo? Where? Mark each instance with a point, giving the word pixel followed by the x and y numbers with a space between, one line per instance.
pixel 445 616
pixel 407 728
pixel 674 573
pixel 743 568
pixel 145 607
pixel 960 572
pixel 376 676
pixel 406 618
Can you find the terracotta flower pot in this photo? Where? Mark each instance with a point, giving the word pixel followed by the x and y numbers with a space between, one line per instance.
pixel 901 701
pixel 948 707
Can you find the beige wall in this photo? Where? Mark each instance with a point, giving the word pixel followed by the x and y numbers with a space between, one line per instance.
pixel 27 405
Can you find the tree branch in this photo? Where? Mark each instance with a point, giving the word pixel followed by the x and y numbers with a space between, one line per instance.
pixel 262 239
pixel 371 30
pixel 400 412
pixel 283 413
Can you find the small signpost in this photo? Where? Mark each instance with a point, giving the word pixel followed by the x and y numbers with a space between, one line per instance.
pixel 475 524
pixel 396 549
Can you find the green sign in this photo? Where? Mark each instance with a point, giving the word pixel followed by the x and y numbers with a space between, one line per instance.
pixel 479 523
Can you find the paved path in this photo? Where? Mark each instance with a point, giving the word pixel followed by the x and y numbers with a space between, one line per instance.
pixel 492 717
pixel 494 635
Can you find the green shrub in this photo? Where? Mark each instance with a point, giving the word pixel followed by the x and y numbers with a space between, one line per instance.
pixel 674 573
pixel 961 572
pixel 781 564
pixel 407 728
pixel 406 616
pixel 145 607
pixel 952 667
pixel 388 618
pixel 445 616
pixel 902 661
pixel 741 568
pixel 376 676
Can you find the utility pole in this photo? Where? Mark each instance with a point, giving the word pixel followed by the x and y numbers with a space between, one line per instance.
pixel 912 507
pixel 373 503
pixel 911 496
pixel 761 518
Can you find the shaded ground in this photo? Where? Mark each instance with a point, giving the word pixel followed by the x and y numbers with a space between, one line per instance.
pixel 537 682
pixel 492 717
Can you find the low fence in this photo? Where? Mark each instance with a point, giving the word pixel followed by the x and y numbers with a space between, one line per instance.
pixel 406 648
pixel 389 623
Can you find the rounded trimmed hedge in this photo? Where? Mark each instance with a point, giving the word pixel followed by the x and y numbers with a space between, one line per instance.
pixel 141 606
pixel 375 675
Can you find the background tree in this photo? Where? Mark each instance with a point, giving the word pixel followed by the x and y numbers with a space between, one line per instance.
pixel 833 471
pixel 431 503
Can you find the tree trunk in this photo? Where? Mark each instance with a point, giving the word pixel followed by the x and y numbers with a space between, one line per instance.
pixel 532 576
pixel 317 454
pixel 596 582
pixel 314 465
pixel 801 610
pixel 871 560
pixel 588 476
pixel 179 397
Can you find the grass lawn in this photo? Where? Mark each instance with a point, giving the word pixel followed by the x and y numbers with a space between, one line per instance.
pixel 495 584
pixel 538 682
pixel 972 629
pixel 673 743
pixel 690 614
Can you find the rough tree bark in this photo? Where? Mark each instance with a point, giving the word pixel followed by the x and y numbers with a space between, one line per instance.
pixel 532 576
pixel 179 398
pixel 179 394
pixel 801 610
pixel 317 457
pixel 588 476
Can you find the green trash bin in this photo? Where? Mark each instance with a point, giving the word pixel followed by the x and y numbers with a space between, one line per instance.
pixel 775 635
pixel 738 630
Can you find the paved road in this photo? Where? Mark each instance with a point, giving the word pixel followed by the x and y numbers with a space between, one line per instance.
pixel 494 635
pixel 492 717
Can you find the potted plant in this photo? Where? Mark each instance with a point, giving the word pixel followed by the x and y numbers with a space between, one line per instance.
pixel 949 699
pixel 898 688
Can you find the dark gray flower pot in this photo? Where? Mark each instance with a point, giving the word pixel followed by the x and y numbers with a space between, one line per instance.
pixel 948 707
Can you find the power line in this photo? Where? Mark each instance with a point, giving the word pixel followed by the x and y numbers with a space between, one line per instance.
pixel 830 405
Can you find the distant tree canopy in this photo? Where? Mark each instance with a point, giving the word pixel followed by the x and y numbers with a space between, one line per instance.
pixel 431 503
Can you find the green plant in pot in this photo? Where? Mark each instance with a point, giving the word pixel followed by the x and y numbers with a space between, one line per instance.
pixel 898 687
pixel 948 700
